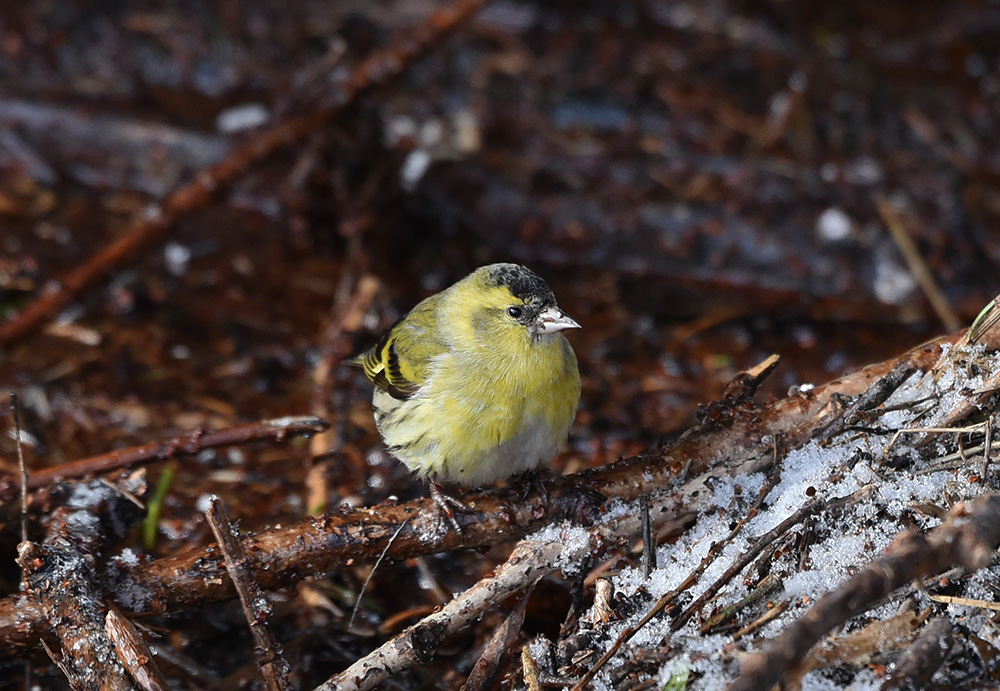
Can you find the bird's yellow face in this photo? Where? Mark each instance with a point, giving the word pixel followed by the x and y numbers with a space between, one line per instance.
pixel 506 313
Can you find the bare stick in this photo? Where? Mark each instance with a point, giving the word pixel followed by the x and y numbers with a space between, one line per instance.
pixel 918 267
pixel 273 668
pixel 21 467
pixel 364 586
pixel 874 396
pixel 133 652
pixel 349 317
pixel 190 444
pixel 348 320
pixel 495 657
pixel 156 220
pixel 968 538
pixel 648 543
pixel 917 664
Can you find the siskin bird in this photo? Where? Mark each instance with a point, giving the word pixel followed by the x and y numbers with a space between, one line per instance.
pixel 477 382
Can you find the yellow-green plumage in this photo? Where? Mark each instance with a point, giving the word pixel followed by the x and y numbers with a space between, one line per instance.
pixel 467 392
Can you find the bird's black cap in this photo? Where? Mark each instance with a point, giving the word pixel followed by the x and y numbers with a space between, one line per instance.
pixel 523 283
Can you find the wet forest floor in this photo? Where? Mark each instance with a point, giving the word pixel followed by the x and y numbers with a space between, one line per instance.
pixel 701 184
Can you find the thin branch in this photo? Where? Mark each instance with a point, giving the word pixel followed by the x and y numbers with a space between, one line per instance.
pixel 485 674
pixel 190 444
pixel 133 652
pixel 273 667
pixel 918 267
pixel 22 468
pixel 364 586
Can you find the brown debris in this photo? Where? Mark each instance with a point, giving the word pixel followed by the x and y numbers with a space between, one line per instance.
pixel 702 184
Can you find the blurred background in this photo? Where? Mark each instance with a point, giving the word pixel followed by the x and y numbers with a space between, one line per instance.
pixel 703 184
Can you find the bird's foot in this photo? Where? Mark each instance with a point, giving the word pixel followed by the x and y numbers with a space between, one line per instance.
pixel 565 496
pixel 537 480
pixel 447 505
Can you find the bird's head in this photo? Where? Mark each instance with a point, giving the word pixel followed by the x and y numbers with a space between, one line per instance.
pixel 508 303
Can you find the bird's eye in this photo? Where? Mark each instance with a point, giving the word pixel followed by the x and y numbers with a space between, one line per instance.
pixel 515 311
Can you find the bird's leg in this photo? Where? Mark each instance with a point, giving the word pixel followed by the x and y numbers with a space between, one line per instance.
pixel 447 505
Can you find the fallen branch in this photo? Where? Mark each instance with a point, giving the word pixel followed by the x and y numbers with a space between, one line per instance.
pixel 273 667
pixel 190 444
pixel 60 581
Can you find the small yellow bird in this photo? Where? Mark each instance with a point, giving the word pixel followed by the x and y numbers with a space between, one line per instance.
pixel 477 382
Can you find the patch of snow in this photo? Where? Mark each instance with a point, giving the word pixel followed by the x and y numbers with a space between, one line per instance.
pixel 840 542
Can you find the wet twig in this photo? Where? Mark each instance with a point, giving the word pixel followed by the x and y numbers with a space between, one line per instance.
pixel 59 583
pixel 273 667
pixel 133 652
pixel 190 444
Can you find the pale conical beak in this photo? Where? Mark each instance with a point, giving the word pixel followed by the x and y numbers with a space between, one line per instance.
pixel 552 319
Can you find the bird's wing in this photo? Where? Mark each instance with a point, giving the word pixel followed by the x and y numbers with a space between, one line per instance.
pixel 400 362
